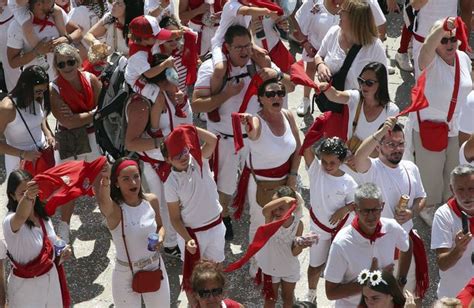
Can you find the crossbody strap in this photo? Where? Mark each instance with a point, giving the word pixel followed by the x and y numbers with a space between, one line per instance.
pixel 341 75
pixel 356 117
pixel 124 241
pixel 26 125
pixel 454 98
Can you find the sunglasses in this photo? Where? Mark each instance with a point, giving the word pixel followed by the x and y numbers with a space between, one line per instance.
pixel 63 64
pixel 208 293
pixel 368 82
pixel 375 211
pixel 270 94
pixel 446 40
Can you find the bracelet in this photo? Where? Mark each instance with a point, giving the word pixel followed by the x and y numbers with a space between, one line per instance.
pixel 293 173
pixel 375 138
pixel 317 65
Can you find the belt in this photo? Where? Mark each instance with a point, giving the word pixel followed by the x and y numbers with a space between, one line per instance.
pixel 225 136
pixel 140 263
pixel 90 129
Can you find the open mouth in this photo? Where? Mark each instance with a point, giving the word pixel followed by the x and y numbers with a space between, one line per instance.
pixel 135 189
pixel 276 104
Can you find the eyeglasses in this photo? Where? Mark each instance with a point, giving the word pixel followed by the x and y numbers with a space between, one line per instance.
pixel 394 145
pixel 446 40
pixel 271 94
pixel 368 82
pixel 374 211
pixel 181 155
pixel 61 65
pixel 208 293
pixel 242 48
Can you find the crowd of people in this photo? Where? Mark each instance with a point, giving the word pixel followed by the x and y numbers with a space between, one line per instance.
pixel 178 188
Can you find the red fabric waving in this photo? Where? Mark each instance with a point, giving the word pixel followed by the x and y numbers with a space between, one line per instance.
pixel 190 57
pixel 281 57
pixel 298 76
pixel 76 100
pixel 421 265
pixel 418 98
pixel 267 4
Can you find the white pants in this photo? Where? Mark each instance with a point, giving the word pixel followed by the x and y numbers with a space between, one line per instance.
pixel 125 297
pixel 155 185
pixel 42 291
pixel 211 244
pixel 256 216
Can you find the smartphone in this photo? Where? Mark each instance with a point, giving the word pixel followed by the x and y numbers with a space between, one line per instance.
pixel 465 225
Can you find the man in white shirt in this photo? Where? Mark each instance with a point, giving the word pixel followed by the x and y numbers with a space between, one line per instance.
pixel 229 99
pixel 356 246
pixel 20 53
pixel 453 246
pixel 396 178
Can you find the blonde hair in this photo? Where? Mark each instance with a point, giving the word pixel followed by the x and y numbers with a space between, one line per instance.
pixel 66 50
pixel 361 20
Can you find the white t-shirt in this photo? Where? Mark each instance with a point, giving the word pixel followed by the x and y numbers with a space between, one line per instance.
pixel 466 116
pixel 233 103
pixel 351 253
pixel 395 182
pixel 439 90
pixel 199 201
pixel 364 128
pixel 431 12
pixel 334 56
pixel 229 17
pixel 272 36
pixel 84 17
pixel 328 194
pixel 137 64
pixel 462 156
pixel 25 245
pixel 150 5
pixel 445 226
pixel 17 40
pixel 114 36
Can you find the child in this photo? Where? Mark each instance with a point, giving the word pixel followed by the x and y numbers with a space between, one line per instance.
pixel 235 12
pixel 25 18
pixel 279 257
pixel 332 199
pixel 144 32
pixel 193 202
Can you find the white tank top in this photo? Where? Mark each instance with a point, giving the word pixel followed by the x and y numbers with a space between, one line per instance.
pixel 16 133
pixel 139 221
pixel 276 258
pixel 270 151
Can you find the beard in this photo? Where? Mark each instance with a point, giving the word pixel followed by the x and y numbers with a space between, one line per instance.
pixel 393 158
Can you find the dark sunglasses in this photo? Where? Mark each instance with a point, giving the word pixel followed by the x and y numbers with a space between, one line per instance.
pixel 446 40
pixel 207 293
pixel 368 82
pixel 63 64
pixel 270 94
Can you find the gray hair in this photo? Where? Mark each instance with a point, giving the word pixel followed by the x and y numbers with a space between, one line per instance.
pixel 461 170
pixel 68 51
pixel 367 191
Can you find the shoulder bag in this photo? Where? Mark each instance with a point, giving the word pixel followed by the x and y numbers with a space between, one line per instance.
pixel 338 81
pixel 143 281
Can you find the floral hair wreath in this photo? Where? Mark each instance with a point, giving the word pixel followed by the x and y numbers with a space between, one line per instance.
pixel 374 278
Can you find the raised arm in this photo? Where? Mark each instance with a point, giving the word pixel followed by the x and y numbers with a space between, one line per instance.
pixel 25 206
pixel 210 141
pixel 428 49
pixel 107 206
pixel 274 204
pixel 336 96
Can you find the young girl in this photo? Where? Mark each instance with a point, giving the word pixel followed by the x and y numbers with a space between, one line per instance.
pixel 279 257
pixel 332 197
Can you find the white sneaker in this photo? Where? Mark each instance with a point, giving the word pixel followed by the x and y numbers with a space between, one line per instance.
pixel 404 62
pixel 63 231
pixel 303 108
pixel 311 296
pixel 427 215
pixel 203 116
pixel 390 70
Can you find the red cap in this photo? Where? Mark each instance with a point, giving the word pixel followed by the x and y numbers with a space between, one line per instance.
pixel 147 26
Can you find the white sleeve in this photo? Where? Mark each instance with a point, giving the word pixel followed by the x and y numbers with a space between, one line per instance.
pixel 466 124
pixel 369 176
pixel 336 265
pixel 403 241
pixel 204 75
pixel 171 193
pixel 351 187
pixel 150 5
pixel 139 63
pixel 419 189
pixel 233 7
pixel 15 36
pixel 79 18
pixel 462 156
pixel 392 110
pixel 303 16
pixel 314 168
pixel 323 50
pixel 354 98
pixel 441 235
pixel 379 17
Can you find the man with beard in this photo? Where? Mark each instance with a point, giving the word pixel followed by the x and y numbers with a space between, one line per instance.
pixel 402 190
pixel 453 246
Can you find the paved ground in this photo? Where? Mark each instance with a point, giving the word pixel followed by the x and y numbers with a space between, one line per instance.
pixel 89 273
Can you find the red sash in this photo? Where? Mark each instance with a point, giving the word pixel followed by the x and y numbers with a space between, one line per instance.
pixel 190 260
pixel 239 200
pixel 77 101
pixel 421 265
pixel 41 265
pixel 372 238
pixel 43 23
pixel 332 231
pixel 453 205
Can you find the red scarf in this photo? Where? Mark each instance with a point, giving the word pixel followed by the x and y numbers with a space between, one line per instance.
pixel 467 294
pixel 461 33
pixel 299 76
pixel 77 101
pixel 421 265
pixel 133 48
pixel 377 233
pixel 92 68
pixel 237 129
pixel 263 234
pixel 454 206
pixel 42 22
pixel 43 264
pixel 418 98
pixel 281 57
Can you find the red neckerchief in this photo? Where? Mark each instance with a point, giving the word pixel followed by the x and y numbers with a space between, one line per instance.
pixel 377 234
pixel 66 7
pixel 42 22
pixel 118 25
pixel 454 206
pixel 133 48
pixel 77 101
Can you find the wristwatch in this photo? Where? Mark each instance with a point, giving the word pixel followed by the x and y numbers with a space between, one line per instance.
pixel 402 280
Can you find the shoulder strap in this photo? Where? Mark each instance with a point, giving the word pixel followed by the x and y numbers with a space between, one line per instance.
pixel 170 114
pixel 356 117
pixel 454 98
pixel 351 55
pixel 124 241
pixel 24 122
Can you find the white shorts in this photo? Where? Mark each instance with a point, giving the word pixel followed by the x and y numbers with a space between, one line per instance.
pixel 211 244
pixel 318 253
pixel 20 13
pixel 230 165
pixel 149 90
pixel 88 157
pixel 292 278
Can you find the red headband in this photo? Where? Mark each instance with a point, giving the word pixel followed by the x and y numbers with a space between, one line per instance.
pixel 124 164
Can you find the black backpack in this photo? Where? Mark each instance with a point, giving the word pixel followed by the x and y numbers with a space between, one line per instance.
pixel 109 119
